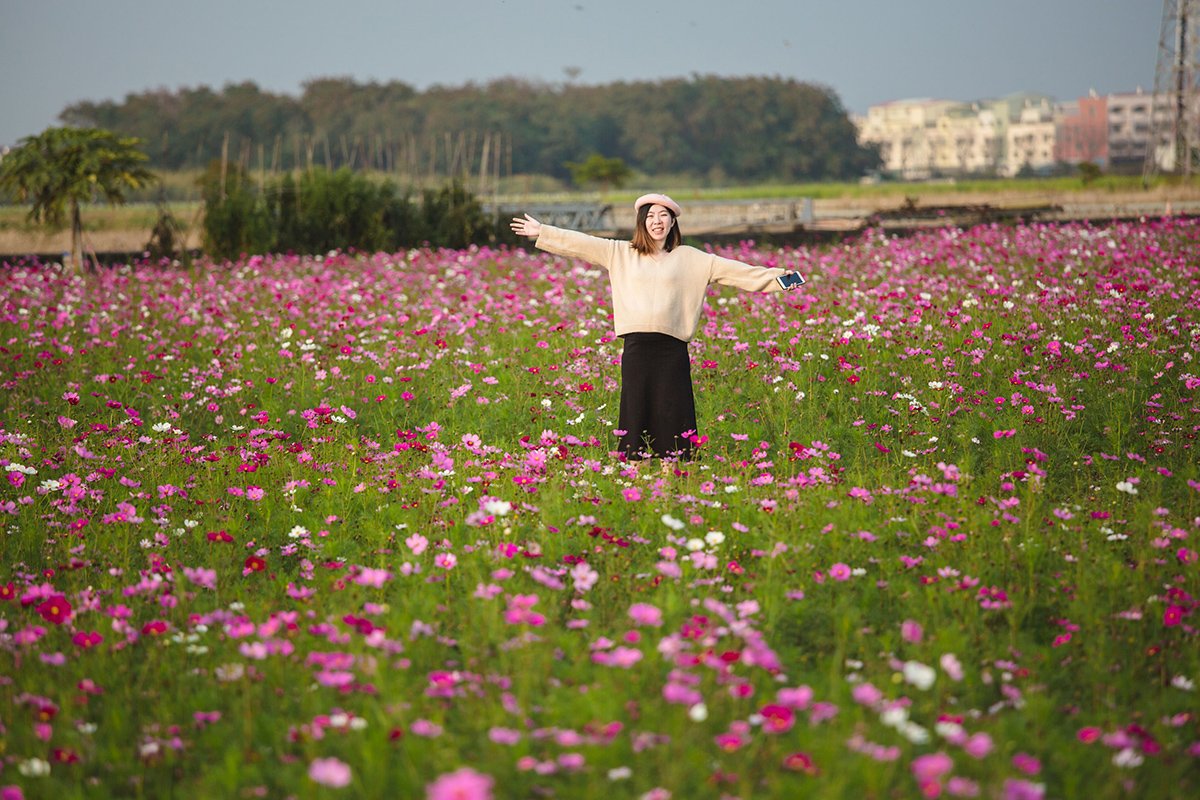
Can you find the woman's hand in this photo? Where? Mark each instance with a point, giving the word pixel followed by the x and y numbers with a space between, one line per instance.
pixel 526 226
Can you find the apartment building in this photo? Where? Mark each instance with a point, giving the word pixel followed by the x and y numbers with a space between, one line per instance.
pixel 1081 133
pixel 905 131
pixel 1016 134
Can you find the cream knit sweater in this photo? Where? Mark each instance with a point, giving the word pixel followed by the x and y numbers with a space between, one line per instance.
pixel 664 296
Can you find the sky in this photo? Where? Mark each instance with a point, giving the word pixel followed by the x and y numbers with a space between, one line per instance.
pixel 57 52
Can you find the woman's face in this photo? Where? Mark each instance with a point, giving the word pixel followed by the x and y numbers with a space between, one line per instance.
pixel 658 223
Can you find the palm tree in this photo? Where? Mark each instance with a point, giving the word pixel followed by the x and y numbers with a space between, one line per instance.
pixel 61 168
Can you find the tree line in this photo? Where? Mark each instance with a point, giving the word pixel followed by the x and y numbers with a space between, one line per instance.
pixel 706 128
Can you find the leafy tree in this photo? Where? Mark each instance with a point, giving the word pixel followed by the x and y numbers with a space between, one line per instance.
pixel 610 173
pixel 747 129
pixel 59 169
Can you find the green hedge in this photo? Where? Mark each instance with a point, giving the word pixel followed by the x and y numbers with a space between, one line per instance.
pixel 336 210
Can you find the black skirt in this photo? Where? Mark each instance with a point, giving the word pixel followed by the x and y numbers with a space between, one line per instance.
pixel 658 410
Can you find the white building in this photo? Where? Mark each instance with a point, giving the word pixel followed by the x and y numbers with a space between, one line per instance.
pixel 1029 141
pixel 923 138
pixel 906 133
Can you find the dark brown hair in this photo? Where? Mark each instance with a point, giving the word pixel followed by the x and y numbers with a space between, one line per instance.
pixel 641 237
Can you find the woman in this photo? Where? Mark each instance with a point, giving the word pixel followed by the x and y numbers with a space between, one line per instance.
pixel 658 289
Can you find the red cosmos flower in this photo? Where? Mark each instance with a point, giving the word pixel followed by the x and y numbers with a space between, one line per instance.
pixel 65 755
pixel 155 627
pixel 777 718
pixel 219 536
pixel 85 640
pixel 55 609
pixel 800 762
pixel 253 564
pixel 729 742
pixel 8 591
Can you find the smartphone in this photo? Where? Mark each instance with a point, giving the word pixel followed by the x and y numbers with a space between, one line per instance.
pixel 790 280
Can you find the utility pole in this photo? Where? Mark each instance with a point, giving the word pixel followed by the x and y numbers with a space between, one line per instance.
pixel 1174 144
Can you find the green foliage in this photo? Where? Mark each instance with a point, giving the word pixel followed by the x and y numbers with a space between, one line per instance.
pixel 452 217
pixel 61 168
pixel 1089 172
pixel 236 221
pixel 743 128
pixel 342 210
pixel 607 172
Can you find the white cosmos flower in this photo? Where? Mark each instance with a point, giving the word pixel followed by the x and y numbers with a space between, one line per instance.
pixel 672 523
pixel 919 674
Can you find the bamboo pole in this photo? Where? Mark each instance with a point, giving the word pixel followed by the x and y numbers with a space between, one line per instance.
pixel 224 162
pixel 483 162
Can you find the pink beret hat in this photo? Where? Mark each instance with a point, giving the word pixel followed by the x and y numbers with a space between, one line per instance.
pixel 659 199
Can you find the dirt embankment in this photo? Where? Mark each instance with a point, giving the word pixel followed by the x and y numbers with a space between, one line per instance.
pixel 133 240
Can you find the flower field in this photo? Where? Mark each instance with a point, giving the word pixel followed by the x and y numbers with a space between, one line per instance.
pixel 350 527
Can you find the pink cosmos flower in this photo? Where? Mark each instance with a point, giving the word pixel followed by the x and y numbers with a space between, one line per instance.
pixel 931 766
pixel 504 736
pixel 202 577
pixel 979 745
pixel 255 493
pixel 839 572
pixel 1015 789
pixel 446 561
pixel 911 631
pixel 1028 764
pixel 330 772
pixel 797 698
pixel 866 694
pixel 646 614
pixel 951 666
pixel 462 784
pixel 424 727
pixel 620 657
pixel 375 578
